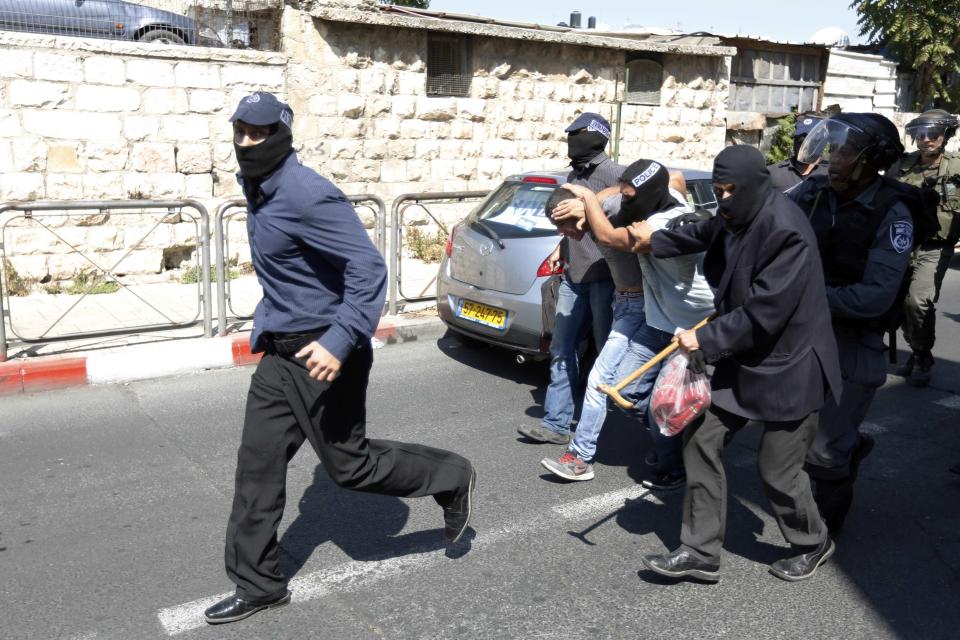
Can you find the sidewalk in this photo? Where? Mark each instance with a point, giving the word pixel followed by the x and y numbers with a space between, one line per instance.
pixel 142 354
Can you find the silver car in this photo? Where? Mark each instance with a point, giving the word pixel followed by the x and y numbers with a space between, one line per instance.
pixel 490 283
pixel 113 19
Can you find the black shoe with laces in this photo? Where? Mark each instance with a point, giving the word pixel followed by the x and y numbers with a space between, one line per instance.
pixel 235 608
pixel 666 482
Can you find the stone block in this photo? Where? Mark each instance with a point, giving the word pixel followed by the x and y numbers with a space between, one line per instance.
pixel 415 171
pixel 22 186
pixel 442 169
pixel 154 185
pixel 515 111
pixel 64 186
pixel 142 261
pixel 29 154
pixel 489 168
pixel 386 128
pixel 402 149
pixel 404 106
pixel 9 123
pixel 350 106
pixel 104 70
pixel 253 76
pixel 163 101
pixel 372 81
pixel 347 81
pixel 72 125
pixel 56 66
pixel 393 171
pixel 411 84
pixel 197 75
pixel 207 100
pixel 63 159
pixel 375 149
pixel 223 157
pixel 150 73
pixel 6 156
pixel 199 186
pixel 377 106
pixel 103 186
pixel 31 93
pixel 322 105
pixel 140 128
pixel 345 149
pixel 194 158
pixel 465 169
pixel 104 99
pixel 436 109
pixel 153 157
pixel 461 129
pixel 185 128
pixel 471 109
pixel 413 129
pixel 487 88
pixel 16 64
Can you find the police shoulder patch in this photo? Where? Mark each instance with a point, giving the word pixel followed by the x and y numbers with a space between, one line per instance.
pixel 901 236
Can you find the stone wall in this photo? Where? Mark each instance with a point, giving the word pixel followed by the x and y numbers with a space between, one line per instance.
pixel 364 119
pixel 92 120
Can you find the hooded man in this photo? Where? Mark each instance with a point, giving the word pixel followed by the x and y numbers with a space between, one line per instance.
pixel 323 290
pixel 775 357
pixel 585 291
pixel 654 300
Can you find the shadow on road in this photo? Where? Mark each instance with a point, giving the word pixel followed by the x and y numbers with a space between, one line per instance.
pixel 363 525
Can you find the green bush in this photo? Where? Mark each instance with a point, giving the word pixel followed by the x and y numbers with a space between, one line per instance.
pixel 192 275
pixel 425 246
pixel 16 284
pixel 91 283
pixel 782 146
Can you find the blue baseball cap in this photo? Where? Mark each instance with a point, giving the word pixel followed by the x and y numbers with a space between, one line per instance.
pixel 805 124
pixel 261 109
pixel 591 122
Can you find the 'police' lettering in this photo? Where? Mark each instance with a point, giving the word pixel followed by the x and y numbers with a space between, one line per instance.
pixel 646 175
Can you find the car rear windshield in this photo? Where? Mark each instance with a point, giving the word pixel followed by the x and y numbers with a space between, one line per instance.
pixel 517 209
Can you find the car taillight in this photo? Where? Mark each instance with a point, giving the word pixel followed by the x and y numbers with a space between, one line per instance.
pixel 546 269
pixel 448 249
pixel 539 179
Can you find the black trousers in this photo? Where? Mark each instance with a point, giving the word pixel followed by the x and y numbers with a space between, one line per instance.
pixel 783 448
pixel 284 407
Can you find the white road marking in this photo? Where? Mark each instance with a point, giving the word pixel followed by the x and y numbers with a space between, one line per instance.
pixel 950 402
pixel 354 575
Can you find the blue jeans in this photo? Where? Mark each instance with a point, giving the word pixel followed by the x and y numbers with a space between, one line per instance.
pixel 574 303
pixel 631 344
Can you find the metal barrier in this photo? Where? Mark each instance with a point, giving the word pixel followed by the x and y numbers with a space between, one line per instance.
pixel 396 236
pixel 115 207
pixel 232 208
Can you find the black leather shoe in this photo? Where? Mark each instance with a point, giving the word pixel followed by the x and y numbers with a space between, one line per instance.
pixel 680 564
pixel 801 567
pixel 236 608
pixel 456 514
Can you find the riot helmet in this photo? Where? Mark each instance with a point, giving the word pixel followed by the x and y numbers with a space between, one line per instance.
pixel 927 129
pixel 859 136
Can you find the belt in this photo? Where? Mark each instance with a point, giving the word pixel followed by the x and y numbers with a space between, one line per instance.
pixel 287 344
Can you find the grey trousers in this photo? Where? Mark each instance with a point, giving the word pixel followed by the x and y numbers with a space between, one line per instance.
pixel 919 310
pixel 864 371
pixel 780 459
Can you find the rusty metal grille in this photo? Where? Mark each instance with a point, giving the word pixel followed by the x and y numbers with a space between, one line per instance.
pixel 248 24
pixel 449 66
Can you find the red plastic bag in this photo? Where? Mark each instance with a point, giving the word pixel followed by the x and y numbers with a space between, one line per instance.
pixel 680 396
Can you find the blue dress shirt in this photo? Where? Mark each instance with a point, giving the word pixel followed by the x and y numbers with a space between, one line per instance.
pixel 317 266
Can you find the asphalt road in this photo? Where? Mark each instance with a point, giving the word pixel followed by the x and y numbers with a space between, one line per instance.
pixel 114 501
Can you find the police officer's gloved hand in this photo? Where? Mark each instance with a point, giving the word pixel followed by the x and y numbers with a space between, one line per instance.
pixel 687 218
pixel 697 363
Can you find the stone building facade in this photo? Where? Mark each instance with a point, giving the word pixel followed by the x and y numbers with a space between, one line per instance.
pixel 88 119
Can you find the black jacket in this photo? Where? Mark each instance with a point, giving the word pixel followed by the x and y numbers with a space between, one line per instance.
pixel 772 341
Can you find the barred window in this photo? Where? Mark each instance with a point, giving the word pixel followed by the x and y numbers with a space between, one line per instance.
pixel 449 65
pixel 644 79
pixel 775 81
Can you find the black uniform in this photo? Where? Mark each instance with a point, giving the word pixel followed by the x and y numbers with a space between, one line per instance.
pixel 785 176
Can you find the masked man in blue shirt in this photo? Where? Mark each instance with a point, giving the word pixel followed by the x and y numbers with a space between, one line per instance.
pixel 323 291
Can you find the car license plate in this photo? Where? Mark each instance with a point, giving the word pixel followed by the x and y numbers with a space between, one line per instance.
pixel 482 314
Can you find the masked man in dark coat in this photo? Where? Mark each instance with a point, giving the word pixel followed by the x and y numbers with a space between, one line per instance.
pixel 775 357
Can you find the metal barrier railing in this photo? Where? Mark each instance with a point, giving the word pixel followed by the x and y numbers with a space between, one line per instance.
pixel 231 208
pixel 68 208
pixel 400 206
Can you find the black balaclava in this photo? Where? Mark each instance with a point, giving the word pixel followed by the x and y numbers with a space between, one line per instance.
pixel 260 160
pixel 651 181
pixel 585 146
pixel 742 166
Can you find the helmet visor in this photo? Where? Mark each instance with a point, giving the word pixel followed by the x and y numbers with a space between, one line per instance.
pixel 926 131
pixel 832 140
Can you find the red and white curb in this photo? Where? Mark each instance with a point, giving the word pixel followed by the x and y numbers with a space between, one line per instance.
pixel 142 362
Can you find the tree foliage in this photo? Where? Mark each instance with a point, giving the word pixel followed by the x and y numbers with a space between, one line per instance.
pixel 781 148
pixel 417 4
pixel 924 35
